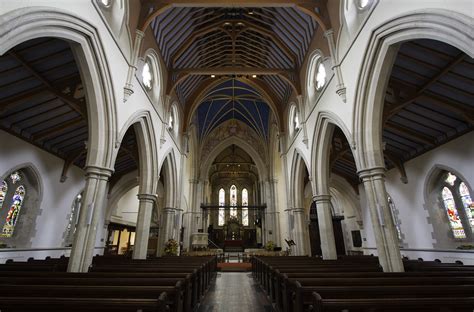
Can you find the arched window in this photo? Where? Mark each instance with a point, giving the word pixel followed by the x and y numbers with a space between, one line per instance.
pixel 14 212
pixel 105 3
pixel 71 226
pixel 233 201
pixel 221 220
pixel 320 76
pixel 455 196
pixel 245 211
pixel 147 74
pixel 396 222
pixel 3 192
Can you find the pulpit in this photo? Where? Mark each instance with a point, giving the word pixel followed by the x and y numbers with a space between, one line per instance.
pixel 199 241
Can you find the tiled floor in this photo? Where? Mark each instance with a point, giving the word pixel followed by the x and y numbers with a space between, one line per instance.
pixel 235 292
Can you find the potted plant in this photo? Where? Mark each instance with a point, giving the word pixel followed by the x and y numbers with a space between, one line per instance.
pixel 270 245
pixel 171 247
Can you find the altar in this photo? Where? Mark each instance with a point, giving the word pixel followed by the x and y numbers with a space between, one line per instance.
pixel 236 245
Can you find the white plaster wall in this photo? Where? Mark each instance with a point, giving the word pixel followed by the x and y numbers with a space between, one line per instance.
pixel 57 197
pixel 409 198
pixel 126 211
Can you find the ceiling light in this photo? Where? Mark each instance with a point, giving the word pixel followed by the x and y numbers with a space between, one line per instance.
pixel 240 23
pixel 250 12
pixel 226 24
pixel 213 76
pixel 254 76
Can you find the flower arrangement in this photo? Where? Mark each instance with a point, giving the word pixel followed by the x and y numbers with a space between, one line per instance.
pixel 270 245
pixel 171 247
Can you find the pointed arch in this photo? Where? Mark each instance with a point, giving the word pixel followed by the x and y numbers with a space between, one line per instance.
pixel 233 140
pixel 37 22
pixel 169 170
pixel 445 26
pixel 147 151
pixel 322 137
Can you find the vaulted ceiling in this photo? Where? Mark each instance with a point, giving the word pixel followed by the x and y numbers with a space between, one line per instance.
pixel 233 99
pixel 265 44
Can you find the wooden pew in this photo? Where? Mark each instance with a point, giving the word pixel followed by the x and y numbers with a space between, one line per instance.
pixel 73 304
pixel 426 304
pixel 174 293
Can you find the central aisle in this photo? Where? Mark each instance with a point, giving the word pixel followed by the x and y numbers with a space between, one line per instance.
pixel 235 291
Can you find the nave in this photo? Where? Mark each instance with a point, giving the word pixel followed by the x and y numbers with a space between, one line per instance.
pixel 150 148
pixel 235 292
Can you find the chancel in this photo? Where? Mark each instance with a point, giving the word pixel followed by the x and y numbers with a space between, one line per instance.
pixel 247 155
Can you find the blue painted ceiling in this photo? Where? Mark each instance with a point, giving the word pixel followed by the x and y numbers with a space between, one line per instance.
pixel 233 99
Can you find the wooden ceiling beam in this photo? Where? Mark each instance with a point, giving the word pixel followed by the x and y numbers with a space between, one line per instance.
pixel 419 92
pixel 11 101
pixel 72 102
pixel 48 132
pixel 220 71
pixel 417 136
pixel 463 110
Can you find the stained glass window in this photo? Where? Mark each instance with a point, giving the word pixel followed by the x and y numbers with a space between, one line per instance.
pixel 391 204
pixel 453 216
pixel 3 192
pixel 221 220
pixel 467 203
pixel 233 201
pixel 15 176
pixel 14 212
pixel 71 226
pixel 245 211
pixel 450 178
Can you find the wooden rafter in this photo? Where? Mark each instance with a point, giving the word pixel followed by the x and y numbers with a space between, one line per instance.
pixel 420 91
pixel 72 102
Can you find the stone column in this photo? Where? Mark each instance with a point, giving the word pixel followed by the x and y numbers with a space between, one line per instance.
pixel 384 230
pixel 326 231
pixel 90 214
pixel 300 230
pixel 166 231
pixel 142 233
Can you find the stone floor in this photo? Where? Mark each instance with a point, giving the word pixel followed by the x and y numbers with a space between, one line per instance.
pixel 235 292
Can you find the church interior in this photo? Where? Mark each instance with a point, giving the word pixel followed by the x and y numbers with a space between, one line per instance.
pixel 244 155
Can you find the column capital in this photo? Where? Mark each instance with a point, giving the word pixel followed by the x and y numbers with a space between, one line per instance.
pixel 368 173
pixel 97 172
pixel 322 198
pixel 140 34
pixel 329 33
pixel 297 210
pixel 147 197
pixel 169 209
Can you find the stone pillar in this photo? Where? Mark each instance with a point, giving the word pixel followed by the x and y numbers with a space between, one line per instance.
pixel 90 214
pixel 142 233
pixel 326 231
pixel 384 230
pixel 300 231
pixel 167 229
